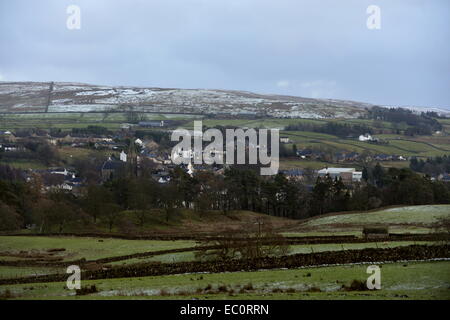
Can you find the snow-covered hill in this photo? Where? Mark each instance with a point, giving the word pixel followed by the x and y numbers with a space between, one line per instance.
pixel 418 110
pixel 76 97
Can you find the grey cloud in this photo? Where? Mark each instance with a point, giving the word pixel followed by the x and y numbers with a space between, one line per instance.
pixel 296 47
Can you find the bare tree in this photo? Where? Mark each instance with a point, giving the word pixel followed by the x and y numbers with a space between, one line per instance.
pixel 248 243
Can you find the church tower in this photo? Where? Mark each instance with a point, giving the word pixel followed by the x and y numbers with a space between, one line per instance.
pixel 132 160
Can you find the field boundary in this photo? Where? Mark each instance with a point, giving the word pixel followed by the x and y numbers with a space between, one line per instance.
pixel 413 252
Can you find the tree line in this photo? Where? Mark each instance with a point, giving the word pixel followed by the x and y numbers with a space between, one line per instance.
pixel 431 166
pixel 333 128
pixel 418 124
pixel 129 203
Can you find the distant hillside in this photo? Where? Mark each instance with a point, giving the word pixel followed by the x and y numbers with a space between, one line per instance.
pixel 22 97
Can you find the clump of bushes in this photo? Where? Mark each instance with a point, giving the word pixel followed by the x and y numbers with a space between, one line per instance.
pixel 378 231
pixel 248 286
pixel 222 288
pixel 355 285
pixel 6 295
pixel 86 290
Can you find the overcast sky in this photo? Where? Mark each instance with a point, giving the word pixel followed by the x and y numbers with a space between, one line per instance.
pixel 310 48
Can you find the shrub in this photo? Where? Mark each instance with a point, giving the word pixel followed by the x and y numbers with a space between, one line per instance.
pixel 248 286
pixel 87 290
pixel 381 230
pixel 355 285
pixel 222 288
pixel 6 295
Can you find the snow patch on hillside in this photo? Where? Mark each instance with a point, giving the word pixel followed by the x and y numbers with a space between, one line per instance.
pixel 77 97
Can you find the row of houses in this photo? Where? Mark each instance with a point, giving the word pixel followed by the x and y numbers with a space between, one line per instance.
pixel 56 179
pixel 7 137
pixel 387 157
pixel 444 177
pixel 113 167
pixel 9 141
pixel 9 147
pixel 347 156
pixel 348 175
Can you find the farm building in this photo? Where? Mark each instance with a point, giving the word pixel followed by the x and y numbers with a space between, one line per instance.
pixel 375 232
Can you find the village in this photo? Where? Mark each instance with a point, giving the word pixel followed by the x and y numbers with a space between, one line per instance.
pixel 116 151
pixel 122 149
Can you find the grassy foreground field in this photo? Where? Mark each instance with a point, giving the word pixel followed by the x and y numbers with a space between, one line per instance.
pixel 418 280
pixel 400 280
pixel 23 248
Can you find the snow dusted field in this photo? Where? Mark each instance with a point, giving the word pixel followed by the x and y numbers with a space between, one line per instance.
pixel 76 97
pixel 419 215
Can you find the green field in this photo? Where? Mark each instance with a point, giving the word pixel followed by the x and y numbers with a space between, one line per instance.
pixel 445 123
pixel 293 249
pixel 416 280
pixel 19 164
pixel 7 272
pixel 88 248
pixel 257 123
pixel 69 120
pixel 312 248
pixel 397 144
pixel 406 280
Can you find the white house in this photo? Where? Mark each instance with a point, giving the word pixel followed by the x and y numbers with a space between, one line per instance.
pixel 366 137
pixel 190 169
pixel 139 142
pixel 123 157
